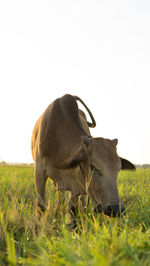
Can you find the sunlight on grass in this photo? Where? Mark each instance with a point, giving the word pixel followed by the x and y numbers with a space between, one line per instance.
pixel 99 240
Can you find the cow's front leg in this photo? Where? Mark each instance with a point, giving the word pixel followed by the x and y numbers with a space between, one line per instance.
pixel 73 206
pixel 40 182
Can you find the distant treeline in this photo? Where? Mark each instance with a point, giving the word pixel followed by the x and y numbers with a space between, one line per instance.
pixel 143 166
pixel 2 163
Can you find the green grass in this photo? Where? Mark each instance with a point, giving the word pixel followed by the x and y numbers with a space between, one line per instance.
pixel 99 240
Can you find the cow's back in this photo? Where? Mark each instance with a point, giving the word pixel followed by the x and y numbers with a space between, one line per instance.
pixel 58 131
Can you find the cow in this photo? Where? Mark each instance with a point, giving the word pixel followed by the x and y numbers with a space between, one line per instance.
pixel 64 150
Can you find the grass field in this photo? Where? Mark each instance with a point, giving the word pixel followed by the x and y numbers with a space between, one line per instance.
pixel 99 240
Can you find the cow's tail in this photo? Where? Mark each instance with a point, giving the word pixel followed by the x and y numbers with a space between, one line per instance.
pixel 93 124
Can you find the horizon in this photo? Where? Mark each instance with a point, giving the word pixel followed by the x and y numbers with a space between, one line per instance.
pixel 32 164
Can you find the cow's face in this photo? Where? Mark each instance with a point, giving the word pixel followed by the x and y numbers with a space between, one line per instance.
pixel 105 165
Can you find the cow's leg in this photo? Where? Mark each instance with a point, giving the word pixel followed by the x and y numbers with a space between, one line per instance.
pixel 40 182
pixel 73 206
pixel 83 201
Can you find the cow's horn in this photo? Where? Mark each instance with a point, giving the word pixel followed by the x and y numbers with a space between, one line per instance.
pixel 115 141
pixel 86 140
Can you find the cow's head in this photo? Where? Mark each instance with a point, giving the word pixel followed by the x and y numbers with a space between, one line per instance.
pixel 102 183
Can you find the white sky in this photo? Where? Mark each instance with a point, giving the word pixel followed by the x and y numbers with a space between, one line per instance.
pixel 98 50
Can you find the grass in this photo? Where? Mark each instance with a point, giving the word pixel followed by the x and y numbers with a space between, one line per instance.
pixel 99 240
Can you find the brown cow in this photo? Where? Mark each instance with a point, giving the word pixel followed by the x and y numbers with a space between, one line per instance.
pixel 63 150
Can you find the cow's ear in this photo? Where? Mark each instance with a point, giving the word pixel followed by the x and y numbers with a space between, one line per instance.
pixel 125 164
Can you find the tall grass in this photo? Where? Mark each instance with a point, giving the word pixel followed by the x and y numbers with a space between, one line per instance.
pixel 99 240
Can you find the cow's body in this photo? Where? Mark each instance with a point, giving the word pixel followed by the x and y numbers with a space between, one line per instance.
pixel 64 151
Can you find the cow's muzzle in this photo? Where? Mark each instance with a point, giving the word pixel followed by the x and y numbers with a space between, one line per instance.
pixel 114 210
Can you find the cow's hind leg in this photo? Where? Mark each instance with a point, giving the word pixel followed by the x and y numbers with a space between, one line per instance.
pixel 40 182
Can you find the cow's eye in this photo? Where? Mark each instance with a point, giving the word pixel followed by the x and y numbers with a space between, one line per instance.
pixel 92 168
pixel 98 171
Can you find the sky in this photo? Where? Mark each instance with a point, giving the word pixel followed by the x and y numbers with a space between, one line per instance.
pixel 97 50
